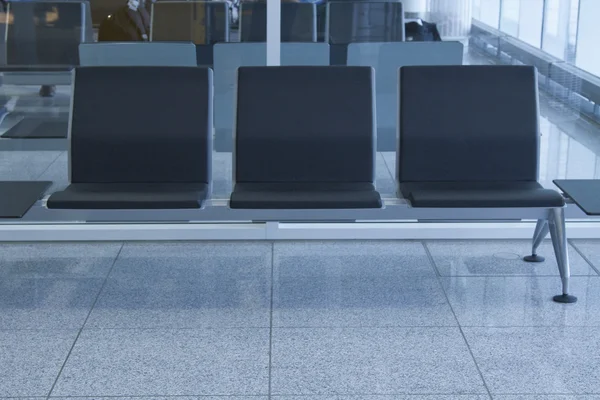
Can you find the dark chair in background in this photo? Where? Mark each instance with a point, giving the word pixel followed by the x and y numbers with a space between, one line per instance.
pixel 362 21
pixel 298 22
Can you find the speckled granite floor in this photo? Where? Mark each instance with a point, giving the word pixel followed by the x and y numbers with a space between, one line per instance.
pixel 316 320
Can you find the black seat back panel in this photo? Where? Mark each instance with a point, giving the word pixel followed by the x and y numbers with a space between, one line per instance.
pixel 305 124
pixel 141 124
pixel 468 123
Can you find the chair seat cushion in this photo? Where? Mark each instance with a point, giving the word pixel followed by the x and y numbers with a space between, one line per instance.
pixel 480 195
pixel 111 196
pixel 304 196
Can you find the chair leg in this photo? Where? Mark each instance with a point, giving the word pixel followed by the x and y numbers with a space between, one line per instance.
pixel 556 223
pixel 541 231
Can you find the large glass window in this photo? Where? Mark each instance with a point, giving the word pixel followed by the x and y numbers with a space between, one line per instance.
pixel 490 12
pixel 510 17
pixel 530 21
pixel 523 19
pixel 588 56
pixel 556 27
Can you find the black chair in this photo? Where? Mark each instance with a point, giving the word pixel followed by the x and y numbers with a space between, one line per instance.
pixel 305 138
pixel 47 33
pixel 200 22
pixel 131 149
pixel 469 138
pixel 362 21
pixel 298 22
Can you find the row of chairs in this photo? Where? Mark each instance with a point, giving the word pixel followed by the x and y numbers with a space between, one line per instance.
pixel 342 22
pixel 457 147
pixel 469 139
pixel 385 58
pixel 47 32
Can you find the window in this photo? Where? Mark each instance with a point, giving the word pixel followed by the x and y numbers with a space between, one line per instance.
pixel 531 14
pixel 552 17
pixel 588 57
pixel 490 12
pixel 510 17
pixel 556 27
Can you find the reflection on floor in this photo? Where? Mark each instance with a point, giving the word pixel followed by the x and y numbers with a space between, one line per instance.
pixel 570 146
pixel 317 320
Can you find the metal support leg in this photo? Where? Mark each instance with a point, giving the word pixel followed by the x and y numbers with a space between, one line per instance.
pixel 556 223
pixel 541 231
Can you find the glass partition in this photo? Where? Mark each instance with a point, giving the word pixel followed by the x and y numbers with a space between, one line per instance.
pixel 40 49
pixel 587 49
pixel 298 22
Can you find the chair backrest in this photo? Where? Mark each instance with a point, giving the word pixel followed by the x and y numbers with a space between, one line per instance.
pixel 298 22
pixel 305 124
pixel 141 125
pixel 199 22
pixel 364 21
pixel 387 58
pixel 468 123
pixel 47 32
pixel 155 54
pixel 230 56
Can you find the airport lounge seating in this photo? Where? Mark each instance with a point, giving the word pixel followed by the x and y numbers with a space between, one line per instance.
pixel 305 138
pixel 298 22
pixel 469 138
pixel 350 22
pixel 130 149
pixel 387 58
pixel 152 54
pixel 230 56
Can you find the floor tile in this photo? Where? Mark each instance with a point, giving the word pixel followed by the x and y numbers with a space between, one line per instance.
pixel 379 360
pixel 57 173
pixel 522 301
pixel 385 181
pixel 222 175
pixel 25 398
pixel 390 160
pixel 57 260
pixel 25 165
pixel 30 360
pixel 51 285
pixel 166 398
pixel 340 285
pixel 404 257
pixel 187 285
pixel 546 397
pixel 38 303
pixel 129 362
pixel 537 360
pixel 591 250
pixel 387 397
pixel 486 257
